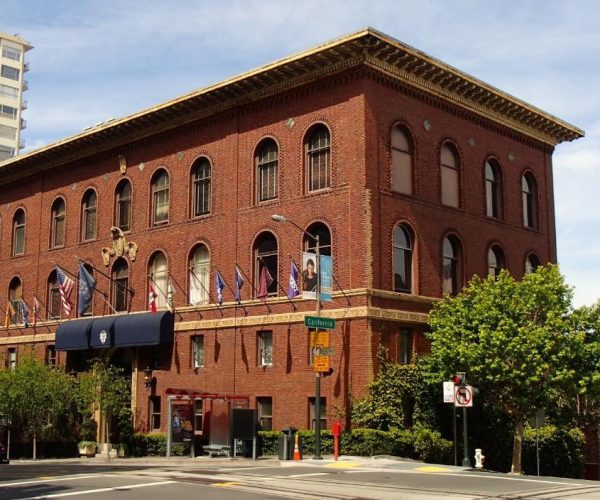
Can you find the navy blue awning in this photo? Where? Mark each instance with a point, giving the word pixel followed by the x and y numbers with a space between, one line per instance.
pixel 102 333
pixel 73 335
pixel 144 329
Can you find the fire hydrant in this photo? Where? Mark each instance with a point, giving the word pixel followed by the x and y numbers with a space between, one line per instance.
pixel 479 457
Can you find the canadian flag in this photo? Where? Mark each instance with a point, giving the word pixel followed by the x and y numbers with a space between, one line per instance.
pixel 152 296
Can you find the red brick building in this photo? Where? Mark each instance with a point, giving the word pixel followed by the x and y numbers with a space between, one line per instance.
pixel 415 175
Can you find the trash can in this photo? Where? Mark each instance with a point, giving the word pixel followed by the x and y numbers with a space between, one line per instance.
pixel 285 443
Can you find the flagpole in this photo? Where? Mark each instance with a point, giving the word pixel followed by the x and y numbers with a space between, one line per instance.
pixel 207 292
pixel 284 292
pixel 231 289
pixel 253 287
pixel 33 310
pixel 180 287
pixel 165 296
pixel 120 285
pixel 45 308
pixel 10 321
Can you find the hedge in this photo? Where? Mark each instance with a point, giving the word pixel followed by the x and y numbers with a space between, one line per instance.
pixel 561 452
pixel 419 443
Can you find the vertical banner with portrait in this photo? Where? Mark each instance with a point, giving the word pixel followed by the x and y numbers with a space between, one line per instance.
pixel 326 278
pixel 309 275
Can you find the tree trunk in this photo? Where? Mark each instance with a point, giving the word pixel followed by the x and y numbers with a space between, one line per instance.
pixel 106 436
pixel 517 445
pixel 35 446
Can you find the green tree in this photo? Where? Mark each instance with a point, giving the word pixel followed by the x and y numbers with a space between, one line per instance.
pixel 35 396
pixel 512 338
pixel 105 390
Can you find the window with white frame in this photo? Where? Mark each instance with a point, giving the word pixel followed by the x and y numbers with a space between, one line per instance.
pixel 154 413
pixel 199 276
pixel 11 53
pixel 51 355
pixel 160 198
pixel 8 91
pixel 10 72
pixel 198 351
pixel 198 415
pixel 265 348
pixel 11 358
pixel 318 159
pixel 264 407
pixel 8 112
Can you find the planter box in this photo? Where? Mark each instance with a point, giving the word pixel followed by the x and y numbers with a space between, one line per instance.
pixel 87 451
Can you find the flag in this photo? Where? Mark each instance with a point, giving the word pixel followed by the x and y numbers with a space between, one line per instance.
pixel 10 312
pixel 293 288
pixel 151 297
pixel 170 293
pixel 65 287
pixel 264 283
pixel 24 313
pixel 220 286
pixel 36 310
pixel 239 283
pixel 87 285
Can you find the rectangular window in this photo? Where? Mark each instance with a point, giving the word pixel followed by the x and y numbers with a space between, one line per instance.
pixel 11 53
pixel 198 415
pixel 401 171
pixel 154 413
pixel 265 348
pixel 10 72
pixel 313 414
pixel 11 357
pixel 6 152
pixel 8 132
pixel 8 91
pixel 198 351
pixel 450 186
pixel 50 355
pixel 399 345
pixel 267 181
pixel 8 112
pixel 264 407
pixel 54 302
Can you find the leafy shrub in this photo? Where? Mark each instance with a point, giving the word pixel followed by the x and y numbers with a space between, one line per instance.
pixel 431 447
pixel 561 451
pixel 267 442
pixel 366 442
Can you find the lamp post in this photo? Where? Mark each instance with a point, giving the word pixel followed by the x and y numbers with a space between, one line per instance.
pixel 315 238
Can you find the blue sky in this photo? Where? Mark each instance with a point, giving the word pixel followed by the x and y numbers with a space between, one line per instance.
pixel 99 59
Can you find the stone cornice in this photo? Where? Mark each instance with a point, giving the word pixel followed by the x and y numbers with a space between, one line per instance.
pixel 367 48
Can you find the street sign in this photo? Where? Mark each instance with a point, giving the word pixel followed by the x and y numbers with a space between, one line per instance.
pixel 448 392
pixel 319 339
pixel 319 322
pixel 464 397
pixel 321 363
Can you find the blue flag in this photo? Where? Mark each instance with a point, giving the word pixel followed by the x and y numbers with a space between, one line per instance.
pixel 24 313
pixel 293 289
pixel 220 286
pixel 87 285
pixel 239 283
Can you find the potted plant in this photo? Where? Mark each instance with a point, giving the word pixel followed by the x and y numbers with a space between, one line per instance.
pixel 87 448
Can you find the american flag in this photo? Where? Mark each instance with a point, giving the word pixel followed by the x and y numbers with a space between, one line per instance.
pixel 65 285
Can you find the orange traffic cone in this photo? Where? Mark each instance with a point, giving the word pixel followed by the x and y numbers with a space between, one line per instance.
pixel 296 448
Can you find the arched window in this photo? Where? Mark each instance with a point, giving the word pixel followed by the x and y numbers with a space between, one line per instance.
pixel 496 260
pixel 266 265
pixel 53 300
pixel 160 198
pixel 450 175
pixel 58 223
pixel 88 215
pixel 201 177
pixel 493 189
pixel 402 161
pixel 318 159
pixel 159 278
pixel 267 159
pixel 403 252
pixel 120 285
pixel 322 231
pixel 199 276
pixel 123 205
pixel 15 297
pixel 452 273
pixel 532 262
pixel 529 188
pixel 18 242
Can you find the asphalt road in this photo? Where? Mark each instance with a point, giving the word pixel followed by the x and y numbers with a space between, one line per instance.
pixel 350 478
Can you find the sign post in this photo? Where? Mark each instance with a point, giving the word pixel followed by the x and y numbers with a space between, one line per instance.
pixel 319 323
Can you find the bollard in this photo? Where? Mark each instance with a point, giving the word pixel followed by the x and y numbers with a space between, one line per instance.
pixel 479 457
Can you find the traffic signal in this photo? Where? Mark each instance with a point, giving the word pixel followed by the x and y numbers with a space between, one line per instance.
pixel 327 373
pixel 459 379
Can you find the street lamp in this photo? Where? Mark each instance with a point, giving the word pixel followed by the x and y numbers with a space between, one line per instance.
pixel 315 238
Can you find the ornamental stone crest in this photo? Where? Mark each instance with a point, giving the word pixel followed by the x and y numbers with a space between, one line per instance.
pixel 120 247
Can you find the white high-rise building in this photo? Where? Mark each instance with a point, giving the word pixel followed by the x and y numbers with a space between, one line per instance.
pixel 12 85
